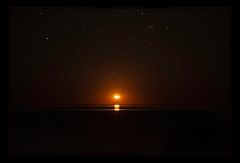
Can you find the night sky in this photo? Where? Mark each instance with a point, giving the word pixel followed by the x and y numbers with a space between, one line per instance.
pixel 61 56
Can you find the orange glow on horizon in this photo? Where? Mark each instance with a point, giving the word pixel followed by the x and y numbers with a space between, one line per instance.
pixel 116 107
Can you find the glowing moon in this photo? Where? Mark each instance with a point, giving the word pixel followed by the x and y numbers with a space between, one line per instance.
pixel 116 96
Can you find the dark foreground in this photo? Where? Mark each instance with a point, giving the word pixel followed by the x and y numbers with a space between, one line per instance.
pixel 155 132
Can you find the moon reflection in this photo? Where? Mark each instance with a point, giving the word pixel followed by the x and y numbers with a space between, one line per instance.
pixel 116 107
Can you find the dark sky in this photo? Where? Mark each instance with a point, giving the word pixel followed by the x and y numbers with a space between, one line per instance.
pixel 149 56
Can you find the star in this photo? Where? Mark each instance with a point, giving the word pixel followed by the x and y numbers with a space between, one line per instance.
pixel 150 27
pixel 83 29
pixel 141 13
pixel 166 27
pixel 40 13
pixel 46 38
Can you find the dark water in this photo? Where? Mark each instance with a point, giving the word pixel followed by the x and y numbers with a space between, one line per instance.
pixel 142 132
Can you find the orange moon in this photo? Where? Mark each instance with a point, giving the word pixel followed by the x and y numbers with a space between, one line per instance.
pixel 116 96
